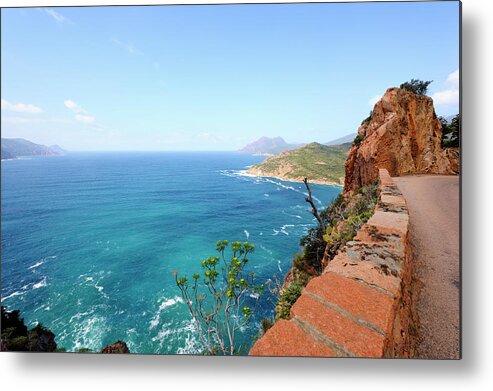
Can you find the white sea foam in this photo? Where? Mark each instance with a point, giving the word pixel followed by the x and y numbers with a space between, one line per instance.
pixel 40 284
pixel 35 265
pixel 276 232
pixel 89 333
pixel 14 294
pixel 41 261
pixel 247 234
pixel 266 195
pixel 164 304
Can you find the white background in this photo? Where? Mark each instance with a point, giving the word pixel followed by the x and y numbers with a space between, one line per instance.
pixel 474 371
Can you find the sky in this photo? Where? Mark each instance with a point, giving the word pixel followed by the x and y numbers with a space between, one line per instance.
pixel 216 77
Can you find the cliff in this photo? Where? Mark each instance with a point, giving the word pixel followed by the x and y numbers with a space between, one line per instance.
pixel 402 135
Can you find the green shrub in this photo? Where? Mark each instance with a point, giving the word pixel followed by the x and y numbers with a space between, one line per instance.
pixel 288 298
pixel 416 86
pixel 450 132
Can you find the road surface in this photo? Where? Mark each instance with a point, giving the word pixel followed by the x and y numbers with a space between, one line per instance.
pixel 433 203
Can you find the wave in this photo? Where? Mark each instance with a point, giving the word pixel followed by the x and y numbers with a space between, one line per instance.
pixel 35 265
pixel 40 284
pixel 247 234
pixel 165 304
pixel 41 261
pixel 14 294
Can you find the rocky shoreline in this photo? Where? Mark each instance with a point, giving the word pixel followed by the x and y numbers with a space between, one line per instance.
pixel 256 172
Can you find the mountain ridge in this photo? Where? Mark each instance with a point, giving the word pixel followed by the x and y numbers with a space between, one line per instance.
pixel 12 148
pixel 266 146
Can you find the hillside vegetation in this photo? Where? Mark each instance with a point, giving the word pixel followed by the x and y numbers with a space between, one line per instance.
pixel 317 162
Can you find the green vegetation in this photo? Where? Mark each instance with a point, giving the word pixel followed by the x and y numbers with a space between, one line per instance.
pixel 291 292
pixel 340 223
pixel 450 132
pixel 220 304
pixel 317 162
pixel 17 338
pixel 416 86
pixel 358 139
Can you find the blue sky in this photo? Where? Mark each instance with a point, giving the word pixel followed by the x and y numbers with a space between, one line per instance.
pixel 216 77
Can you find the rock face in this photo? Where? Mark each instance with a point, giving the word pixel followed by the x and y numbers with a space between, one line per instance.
pixel 117 347
pixel 402 135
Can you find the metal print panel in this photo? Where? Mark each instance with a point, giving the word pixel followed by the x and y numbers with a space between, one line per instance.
pixel 256 179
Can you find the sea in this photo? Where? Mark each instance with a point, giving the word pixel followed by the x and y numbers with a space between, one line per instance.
pixel 90 241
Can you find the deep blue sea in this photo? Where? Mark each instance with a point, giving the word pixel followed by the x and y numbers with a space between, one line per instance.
pixel 90 240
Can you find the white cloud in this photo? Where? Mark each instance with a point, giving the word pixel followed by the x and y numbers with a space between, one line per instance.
pixel 81 115
pixel 129 47
pixel 70 104
pixel 20 107
pixel 374 100
pixel 453 78
pixel 85 119
pixel 449 96
pixel 59 18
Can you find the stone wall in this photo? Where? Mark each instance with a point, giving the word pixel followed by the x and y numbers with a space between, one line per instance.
pixel 361 305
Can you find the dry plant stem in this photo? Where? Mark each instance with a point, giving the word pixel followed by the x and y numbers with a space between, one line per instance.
pixel 315 213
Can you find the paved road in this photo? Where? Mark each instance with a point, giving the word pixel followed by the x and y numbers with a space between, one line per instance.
pixel 433 203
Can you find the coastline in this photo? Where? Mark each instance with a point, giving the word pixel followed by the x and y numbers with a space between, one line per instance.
pixel 285 179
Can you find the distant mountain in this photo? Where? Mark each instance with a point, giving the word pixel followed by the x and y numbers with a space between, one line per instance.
pixel 16 147
pixel 342 140
pixel 268 146
pixel 58 149
pixel 317 162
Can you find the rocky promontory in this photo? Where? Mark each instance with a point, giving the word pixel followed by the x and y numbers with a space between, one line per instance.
pixel 317 162
pixel 403 135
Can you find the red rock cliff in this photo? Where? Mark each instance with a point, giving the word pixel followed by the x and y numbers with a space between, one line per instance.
pixel 402 135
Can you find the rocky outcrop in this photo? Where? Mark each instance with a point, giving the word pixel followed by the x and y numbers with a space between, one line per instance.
pixel 402 135
pixel 117 347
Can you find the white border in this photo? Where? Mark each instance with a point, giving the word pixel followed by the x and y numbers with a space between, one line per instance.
pixel 83 372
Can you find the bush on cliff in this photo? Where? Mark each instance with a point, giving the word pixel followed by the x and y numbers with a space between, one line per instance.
pixel 220 298
pixel 17 338
pixel 450 132
pixel 342 220
pixel 416 86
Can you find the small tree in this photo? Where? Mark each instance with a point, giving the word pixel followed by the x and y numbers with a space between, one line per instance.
pixel 450 132
pixel 219 306
pixel 416 86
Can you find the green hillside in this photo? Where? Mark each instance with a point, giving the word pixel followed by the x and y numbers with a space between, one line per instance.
pixel 317 162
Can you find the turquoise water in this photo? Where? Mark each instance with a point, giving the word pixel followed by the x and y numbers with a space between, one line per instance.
pixel 90 240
